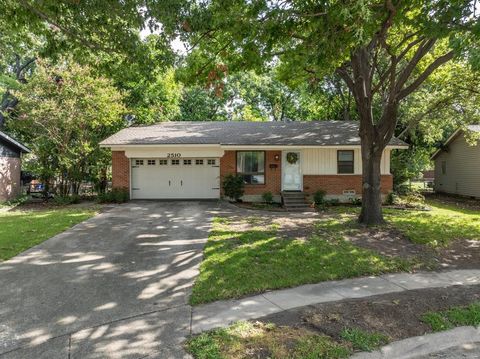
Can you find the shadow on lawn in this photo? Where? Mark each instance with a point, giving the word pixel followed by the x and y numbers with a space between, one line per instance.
pixel 258 259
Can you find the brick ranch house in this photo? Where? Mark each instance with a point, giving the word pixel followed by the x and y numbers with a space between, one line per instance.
pixel 10 166
pixel 187 160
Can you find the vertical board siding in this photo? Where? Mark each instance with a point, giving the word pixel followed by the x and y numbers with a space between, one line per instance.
pixel 323 161
pixel 463 169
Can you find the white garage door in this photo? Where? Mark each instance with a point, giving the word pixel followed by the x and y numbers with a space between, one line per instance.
pixel 162 178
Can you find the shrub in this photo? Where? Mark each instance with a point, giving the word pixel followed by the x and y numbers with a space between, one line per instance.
pixel 319 198
pixel 66 200
pixel 116 195
pixel 233 186
pixel 391 198
pixel 332 202
pixel 267 197
pixel 16 201
pixel 356 201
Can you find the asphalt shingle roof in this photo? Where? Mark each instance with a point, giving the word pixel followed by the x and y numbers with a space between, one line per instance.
pixel 313 133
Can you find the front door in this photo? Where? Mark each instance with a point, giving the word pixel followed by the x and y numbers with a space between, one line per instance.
pixel 292 171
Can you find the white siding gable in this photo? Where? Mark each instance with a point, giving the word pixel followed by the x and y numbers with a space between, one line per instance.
pixel 462 163
pixel 323 161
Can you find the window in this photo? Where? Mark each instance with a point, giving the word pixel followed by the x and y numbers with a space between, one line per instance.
pixel 187 162
pixel 175 162
pixel 211 162
pixel 444 167
pixel 345 161
pixel 151 162
pixel 162 162
pixel 138 162
pixel 199 162
pixel 251 166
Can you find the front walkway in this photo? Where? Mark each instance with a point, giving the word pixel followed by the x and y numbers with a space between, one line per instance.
pixel 223 313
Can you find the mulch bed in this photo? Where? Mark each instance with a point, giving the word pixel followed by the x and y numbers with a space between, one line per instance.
pixel 397 315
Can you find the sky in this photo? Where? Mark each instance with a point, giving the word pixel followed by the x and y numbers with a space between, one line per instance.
pixel 177 45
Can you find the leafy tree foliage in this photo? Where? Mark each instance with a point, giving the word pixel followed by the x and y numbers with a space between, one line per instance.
pixel 63 113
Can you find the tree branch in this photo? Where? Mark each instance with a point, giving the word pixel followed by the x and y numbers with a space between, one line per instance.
pixel 422 50
pixel 418 118
pixel 64 29
pixel 424 75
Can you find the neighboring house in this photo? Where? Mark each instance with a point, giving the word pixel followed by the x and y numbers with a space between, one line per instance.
pixel 10 166
pixel 457 165
pixel 174 160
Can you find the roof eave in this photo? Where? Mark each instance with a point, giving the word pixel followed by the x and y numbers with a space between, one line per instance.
pixel 14 142
pixel 446 143
pixel 231 145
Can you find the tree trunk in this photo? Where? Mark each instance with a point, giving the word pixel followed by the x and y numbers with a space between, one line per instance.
pixel 371 213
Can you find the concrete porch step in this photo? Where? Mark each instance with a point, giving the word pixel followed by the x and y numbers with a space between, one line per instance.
pixel 295 201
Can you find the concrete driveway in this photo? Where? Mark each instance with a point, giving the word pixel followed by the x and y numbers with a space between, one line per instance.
pixel 114 286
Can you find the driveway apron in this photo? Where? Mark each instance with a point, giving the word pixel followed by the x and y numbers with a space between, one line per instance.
pixel 114 286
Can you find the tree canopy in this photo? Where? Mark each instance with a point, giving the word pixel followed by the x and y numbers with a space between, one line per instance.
pixel 64 112
pixel 398 67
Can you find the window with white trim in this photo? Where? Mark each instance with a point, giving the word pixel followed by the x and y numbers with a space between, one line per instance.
pixel 251 166
pixel 138 162
pixel 211 161
pixel 151 162
pixel 175 162
pixel 187 162
pixel 345 161
pixel 199 162
pixel 163 162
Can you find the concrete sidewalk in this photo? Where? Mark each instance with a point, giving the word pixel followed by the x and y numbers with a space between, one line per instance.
pixel 461 342
pixel 223 313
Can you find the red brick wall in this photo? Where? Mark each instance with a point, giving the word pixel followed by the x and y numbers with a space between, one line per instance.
pixel 273 176
pixel 120 170
pixel 336 184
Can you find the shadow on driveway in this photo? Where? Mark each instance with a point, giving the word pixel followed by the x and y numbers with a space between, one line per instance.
pixel 114 286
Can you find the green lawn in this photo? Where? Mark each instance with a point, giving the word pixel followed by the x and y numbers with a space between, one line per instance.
pixel 20 230
pixel 255 260
pixel 238 263
pixel 438 227
pixel 453 317
pixel 266 339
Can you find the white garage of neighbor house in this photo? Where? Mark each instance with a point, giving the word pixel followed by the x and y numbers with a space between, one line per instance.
pixel 187 160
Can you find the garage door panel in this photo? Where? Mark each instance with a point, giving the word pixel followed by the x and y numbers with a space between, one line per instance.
pixel 187 179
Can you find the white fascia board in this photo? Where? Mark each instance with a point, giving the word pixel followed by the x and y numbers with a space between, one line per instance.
pixel 236 147
pixel 437 152
pixel 178 145
pixel 276 147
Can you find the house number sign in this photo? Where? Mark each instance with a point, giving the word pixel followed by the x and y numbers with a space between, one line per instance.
pixel 173 155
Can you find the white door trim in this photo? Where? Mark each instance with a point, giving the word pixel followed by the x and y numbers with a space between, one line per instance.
pixel 284 162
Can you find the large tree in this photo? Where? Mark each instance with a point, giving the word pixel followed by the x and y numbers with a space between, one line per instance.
pixel 64 111
pixel 383 50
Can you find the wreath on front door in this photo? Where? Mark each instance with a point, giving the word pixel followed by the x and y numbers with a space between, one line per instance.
pixel 292 157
